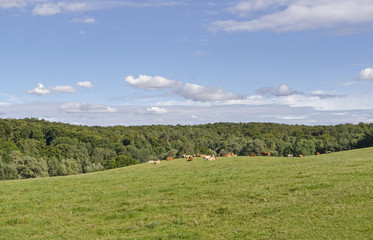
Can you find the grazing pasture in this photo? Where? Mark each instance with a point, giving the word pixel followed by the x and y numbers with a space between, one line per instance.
pixel 329 196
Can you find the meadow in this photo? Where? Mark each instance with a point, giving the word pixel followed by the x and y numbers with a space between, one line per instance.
pixel 329 196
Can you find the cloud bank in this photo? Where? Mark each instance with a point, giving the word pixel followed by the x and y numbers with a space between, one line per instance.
pixel 74 107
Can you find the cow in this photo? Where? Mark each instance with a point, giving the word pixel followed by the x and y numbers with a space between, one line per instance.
pixel 157 162
pixel 211 158
pixel 170 158
pixel 229 155
pixel 252 155
pixel 266 154
pixel 190 158
pixel 328 152
pixel 317 153
pixel 290 155
pixel 300 155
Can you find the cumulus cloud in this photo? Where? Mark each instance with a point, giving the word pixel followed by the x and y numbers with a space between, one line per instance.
pixel 42 90
pixel 156 110
pixel 151 83
pixel 188 91
pixel 89 20
pixel 366 74
pixel 205 94
pixel 86 84
pixel 74 107
pixel 284 90
pixel 298 15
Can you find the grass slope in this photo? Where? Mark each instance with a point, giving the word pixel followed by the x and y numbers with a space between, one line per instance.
pixel 317 197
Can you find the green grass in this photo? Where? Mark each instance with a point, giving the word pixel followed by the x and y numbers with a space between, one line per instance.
pixel 317 197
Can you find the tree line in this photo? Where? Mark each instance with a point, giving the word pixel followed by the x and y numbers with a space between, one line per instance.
pixel 37 148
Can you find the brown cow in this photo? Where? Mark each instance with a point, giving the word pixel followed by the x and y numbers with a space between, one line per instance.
pixel 317 153
pixel 252 155
pixel 229 155
pixel 300 155
pixel 170 158
pixel 266 154
pixel 190 158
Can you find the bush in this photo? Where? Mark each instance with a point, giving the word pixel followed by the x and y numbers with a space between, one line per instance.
pixel 8 172
pixel 122 161
pixel 30 167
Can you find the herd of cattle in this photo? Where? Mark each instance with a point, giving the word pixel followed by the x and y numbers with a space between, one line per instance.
pixel 213 157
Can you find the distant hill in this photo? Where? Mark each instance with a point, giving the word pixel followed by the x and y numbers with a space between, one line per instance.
pixel 329 196
pixel 35 148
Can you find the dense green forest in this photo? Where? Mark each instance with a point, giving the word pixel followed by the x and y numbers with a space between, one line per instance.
pixel 36 148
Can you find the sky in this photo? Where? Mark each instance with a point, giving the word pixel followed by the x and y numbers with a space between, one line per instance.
pixel 144 62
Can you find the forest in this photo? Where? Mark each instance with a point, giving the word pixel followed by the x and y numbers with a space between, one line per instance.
pixel 32 148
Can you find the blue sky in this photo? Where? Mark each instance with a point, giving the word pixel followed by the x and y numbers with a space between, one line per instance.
pixel 187 62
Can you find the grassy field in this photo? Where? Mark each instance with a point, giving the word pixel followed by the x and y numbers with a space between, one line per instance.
pixel 318 197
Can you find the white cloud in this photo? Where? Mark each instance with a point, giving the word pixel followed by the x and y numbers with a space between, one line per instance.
pixel 151 83
pixel 366 74
pixel 88 20
pixel 299 15
pixel 284 90
pixel 205 94
pixel 42 90
pixel 63 89
pixel 74 107
pixel 86 84
pixel 156 110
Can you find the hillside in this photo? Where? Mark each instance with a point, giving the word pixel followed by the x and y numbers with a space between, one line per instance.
pixel 317 197
pixel 35 148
